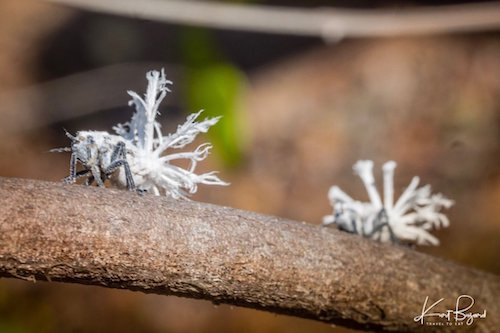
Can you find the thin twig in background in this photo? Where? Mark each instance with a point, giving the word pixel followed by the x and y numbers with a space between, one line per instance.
pixel 74 95
pixel 327 23
pixel 97 236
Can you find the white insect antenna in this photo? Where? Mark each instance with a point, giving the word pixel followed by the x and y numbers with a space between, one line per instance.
pixel 64 149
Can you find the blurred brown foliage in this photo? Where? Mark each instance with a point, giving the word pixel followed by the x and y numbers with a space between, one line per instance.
pixel 431 104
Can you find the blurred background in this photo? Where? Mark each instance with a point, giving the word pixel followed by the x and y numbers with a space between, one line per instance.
pixel 298 112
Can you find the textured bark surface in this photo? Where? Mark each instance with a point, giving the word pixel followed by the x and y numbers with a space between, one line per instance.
pixel 117 239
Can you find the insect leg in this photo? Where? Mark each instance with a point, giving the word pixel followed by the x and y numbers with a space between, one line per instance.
pixel 141 191
pixel 353 226
pixel 90 179
pixel 60 150
pixel 118 151
pixel 385 222
pixel 72 169
pixel 70 136
pixel 381 221
pixel 96 173
pixel 80 174
pixel 128 174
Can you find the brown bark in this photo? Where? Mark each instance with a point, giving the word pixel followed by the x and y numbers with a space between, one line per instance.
pixel 112 238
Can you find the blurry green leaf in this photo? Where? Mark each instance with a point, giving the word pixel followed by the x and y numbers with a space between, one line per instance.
pixel 217 89
pixel 215 86
pixel 6 327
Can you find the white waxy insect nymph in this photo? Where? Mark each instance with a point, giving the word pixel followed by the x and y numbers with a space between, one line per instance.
pixel 136 156
pixel 101 156
pixel 408 220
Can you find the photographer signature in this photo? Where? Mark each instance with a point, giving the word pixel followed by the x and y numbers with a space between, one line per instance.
pixel 459 313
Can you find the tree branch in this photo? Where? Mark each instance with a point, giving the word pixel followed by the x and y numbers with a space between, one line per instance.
pixel 117 239
pixel 74 96
pixel 328 23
